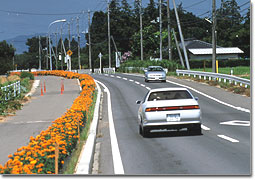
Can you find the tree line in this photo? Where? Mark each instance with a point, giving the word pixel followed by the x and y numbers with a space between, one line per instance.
pixel 233 30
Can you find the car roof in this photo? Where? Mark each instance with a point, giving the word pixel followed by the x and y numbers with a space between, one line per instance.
pixel 154 66
pixel 168 89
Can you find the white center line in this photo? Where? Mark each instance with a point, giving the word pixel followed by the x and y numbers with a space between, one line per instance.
pixel 205 128
pixel 137 82
pixel 118 77
pixel 106 74
pixel 112 75
pixel 142 85
pixel 124 78
pixel 228 138
pixel 131 80
pixel 148 88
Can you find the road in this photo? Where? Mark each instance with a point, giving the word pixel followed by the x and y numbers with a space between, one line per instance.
pixel 37 114
pixel 224 148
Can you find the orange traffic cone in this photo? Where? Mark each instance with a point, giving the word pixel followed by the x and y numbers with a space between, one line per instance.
pixel 44 87
pixel 41 90
pixel 63 85
pixel 61 88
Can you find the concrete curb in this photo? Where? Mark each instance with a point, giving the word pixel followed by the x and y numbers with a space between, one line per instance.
pixel 33 89
pixel 84 165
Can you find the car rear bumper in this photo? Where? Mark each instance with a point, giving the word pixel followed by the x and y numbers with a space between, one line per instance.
pixel 155 78
pixel 172 125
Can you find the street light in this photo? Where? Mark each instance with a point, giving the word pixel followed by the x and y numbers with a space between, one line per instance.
pixel 60 20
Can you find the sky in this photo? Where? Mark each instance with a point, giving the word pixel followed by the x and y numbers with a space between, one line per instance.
pixel 29 17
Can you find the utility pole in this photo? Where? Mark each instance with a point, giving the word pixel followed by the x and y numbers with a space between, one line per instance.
pixel 61 39
pixel 160 29
pixel 79 49
pixel 109 34
pixel 169 32
pixel 56 34
pixel 141 28
pixel 181 36
pixel 214 36
pixel 47 58
pixel 69 46
pixel 90 66
pixel 40 60
pixel 178 48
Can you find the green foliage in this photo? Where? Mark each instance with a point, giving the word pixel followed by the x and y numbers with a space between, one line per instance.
pixel 27 75
pixel 6 55
pixel 137 64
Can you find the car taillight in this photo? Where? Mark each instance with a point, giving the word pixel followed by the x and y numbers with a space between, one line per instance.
pixel 171 108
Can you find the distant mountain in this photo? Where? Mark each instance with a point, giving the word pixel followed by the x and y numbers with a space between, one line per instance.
pixel 19 42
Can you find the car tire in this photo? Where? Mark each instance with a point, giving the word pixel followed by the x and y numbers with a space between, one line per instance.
pixel 196 130
pixel 146 80
pixel 164 81
pixel 145 132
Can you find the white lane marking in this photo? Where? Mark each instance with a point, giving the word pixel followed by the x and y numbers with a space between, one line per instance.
pixel 125 79
pixel 131 80
pixel 228 138
pixel 117 162
pixel 118 77
pixel 112 76
pixel 106 74
pixel 212 98
pixel 137 82
pixel 142 85
pixel 148 88
pixel 236 123
pixel 205 128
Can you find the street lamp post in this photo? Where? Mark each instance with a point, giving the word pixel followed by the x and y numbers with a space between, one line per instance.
pixel 60 20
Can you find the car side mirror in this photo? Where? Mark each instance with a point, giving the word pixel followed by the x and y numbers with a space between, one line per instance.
pixel 138 102
pixel 145 70
pixel 196 98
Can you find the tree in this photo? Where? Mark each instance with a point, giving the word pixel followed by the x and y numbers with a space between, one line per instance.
pixel 6 55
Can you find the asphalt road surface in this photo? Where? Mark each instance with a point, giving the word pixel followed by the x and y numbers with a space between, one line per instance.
pixel 36 115
pixel 224 148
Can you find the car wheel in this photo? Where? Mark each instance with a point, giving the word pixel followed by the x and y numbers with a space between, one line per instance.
pixel 146 80
pixel 196 130
pixel 145 132
pixel 164 81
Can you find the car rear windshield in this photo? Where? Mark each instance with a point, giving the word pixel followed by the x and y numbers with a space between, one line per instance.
pixel 155 69
pixel 169 95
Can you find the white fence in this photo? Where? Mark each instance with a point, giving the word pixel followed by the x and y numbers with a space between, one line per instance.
pixel 11 91
pixel 214 76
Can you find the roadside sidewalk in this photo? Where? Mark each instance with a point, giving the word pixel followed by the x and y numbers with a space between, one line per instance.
pixel 37 114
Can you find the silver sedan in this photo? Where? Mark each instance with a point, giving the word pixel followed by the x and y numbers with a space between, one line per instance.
pixel 169 108
pixel 155 73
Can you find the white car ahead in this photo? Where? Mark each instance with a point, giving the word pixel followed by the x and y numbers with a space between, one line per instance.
pixel 169 108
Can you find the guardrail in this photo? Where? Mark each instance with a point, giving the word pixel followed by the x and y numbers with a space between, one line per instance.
pixel 214 76
pixel 10 91
pixel 105 70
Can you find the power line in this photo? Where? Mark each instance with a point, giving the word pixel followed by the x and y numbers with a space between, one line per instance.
pixel 200 2
pixel 40 14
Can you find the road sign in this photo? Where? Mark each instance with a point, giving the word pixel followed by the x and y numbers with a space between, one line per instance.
pixel 100 55
pixel 69 52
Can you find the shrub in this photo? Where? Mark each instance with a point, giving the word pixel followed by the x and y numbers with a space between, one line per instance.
pixel 27 74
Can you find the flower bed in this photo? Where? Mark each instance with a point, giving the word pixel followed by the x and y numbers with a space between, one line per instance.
pixel 38 157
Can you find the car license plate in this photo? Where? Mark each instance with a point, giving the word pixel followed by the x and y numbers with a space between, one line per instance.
pixel 173 117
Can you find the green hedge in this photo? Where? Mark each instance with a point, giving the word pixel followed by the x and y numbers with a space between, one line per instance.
pixel 222 63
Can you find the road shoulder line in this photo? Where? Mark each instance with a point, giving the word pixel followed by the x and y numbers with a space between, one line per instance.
pixel 117 161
